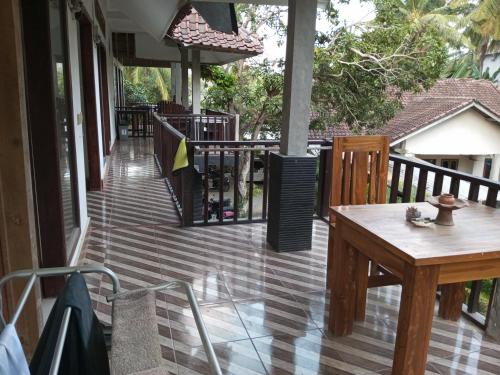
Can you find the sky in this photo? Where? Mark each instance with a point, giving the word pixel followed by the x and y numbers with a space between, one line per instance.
pixel 353 12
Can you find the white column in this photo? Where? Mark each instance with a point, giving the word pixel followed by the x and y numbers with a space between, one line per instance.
pixel 176 80
pixel 495 168
pixel 298 76
pixel 185 77
pixel 196 81
pixel 478 166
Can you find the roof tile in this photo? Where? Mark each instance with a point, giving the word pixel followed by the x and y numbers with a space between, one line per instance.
pixel 446 97
pixel 190 29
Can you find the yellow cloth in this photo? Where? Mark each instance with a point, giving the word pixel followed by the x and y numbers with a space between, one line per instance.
pixel 181 157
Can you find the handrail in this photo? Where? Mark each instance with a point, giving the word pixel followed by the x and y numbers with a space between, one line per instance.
pixel 46 272
pixel 169 127
pixel 446 171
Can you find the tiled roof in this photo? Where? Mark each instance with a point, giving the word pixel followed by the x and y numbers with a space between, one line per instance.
pixel 329 132
pixel 446 97
pixel 191 30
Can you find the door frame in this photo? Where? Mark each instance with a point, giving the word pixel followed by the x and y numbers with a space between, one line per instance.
pixel 104 96
pixel 94 180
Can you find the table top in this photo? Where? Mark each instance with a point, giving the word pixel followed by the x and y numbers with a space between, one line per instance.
pixel 475 235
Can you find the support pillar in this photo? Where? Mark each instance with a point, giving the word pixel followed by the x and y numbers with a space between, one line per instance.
pixel 478 166
pixel 291 194
pixel 495 168
pixel 176 79
pixel 185 77
pixel 196 81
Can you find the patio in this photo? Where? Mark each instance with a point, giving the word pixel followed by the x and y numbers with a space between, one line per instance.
pixel 265 311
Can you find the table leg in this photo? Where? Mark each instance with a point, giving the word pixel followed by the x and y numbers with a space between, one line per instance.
pixel 361 286
pixel 343 288
pixel 415 320
pixel 450 303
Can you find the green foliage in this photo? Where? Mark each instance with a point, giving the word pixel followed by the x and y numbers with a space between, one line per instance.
pixel 146 84
pixel 359 75
pixel 134 93
pixel 467 66
pixel 253 91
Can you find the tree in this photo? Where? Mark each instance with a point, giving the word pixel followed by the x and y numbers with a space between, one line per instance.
pixel 361 71
pixel 466 65
pixel 444 16
pixel 484 28
pixel 146 83
pixel 259 104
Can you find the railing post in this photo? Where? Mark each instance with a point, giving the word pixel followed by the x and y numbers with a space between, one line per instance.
pixel 187 182
pixel 323 193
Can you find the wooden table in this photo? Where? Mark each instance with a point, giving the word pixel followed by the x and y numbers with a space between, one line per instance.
pixel 421 257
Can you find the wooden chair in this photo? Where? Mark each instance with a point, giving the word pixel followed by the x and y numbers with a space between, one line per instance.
pixel 359 176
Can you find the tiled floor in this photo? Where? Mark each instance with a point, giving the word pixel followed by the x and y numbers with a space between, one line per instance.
pixel 266 312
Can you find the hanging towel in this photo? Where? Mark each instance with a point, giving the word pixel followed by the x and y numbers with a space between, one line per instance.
pixel 12 359
pixel 135 342
pixel 181 158
pixel 84 349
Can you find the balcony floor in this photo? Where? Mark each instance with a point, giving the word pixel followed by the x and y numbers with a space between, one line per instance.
pixel 266 312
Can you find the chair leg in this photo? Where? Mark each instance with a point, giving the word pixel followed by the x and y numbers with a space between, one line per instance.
pixel 329 262
pixel 374 268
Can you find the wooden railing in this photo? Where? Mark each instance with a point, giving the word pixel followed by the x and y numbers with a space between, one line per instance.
pixel 138 117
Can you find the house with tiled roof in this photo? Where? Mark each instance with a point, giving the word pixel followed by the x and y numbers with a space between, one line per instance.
pixel 455 124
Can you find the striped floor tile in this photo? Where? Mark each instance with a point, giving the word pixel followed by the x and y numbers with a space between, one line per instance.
pixel 266 312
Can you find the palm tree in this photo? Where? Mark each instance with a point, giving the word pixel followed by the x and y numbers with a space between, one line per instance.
pixel 445 16
pixel 158 78
pixel 467 66
pixel 484 28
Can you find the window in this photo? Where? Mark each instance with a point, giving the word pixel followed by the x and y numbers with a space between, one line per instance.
pixel 487 167
pixel 432 161
pixel 449 163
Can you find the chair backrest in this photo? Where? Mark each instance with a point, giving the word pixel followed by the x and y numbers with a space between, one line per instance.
pixel 359 170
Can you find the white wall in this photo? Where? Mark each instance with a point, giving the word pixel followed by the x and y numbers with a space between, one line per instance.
pixel 74 64
pixel 111 92
pixel 468 133
pixel 493 63
pixel 465 162
pixel 78 117
pixel 147 47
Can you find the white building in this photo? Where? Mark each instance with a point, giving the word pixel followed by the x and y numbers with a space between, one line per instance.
pixel 456 124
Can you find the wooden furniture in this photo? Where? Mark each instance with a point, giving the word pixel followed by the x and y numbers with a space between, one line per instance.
pixel 421 257
pixel 359 176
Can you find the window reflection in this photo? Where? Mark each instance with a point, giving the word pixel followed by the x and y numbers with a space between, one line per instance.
pixel 57 38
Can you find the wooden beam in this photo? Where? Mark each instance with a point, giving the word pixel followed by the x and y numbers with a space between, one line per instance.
pixel 17 224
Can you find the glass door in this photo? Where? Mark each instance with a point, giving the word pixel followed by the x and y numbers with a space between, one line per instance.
pixel 65 137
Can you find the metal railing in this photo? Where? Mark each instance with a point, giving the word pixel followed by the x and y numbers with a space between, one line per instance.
pixel 32 276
